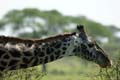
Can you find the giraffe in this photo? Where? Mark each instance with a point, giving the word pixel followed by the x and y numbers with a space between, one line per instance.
pixel 17 53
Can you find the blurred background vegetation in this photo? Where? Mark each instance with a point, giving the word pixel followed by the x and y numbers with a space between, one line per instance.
pixel 34 23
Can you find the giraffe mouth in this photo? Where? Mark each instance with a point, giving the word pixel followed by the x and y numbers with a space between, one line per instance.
pixel 108 65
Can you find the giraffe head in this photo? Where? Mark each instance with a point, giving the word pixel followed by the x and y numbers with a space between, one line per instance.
pixel 89 50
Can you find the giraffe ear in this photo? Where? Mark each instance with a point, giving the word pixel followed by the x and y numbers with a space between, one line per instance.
pixel 82 32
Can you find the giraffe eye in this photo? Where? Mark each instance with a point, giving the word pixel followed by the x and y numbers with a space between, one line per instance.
pixel 91 45
pixel 83 46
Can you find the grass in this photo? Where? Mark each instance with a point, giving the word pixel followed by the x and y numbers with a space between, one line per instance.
pixel 66 69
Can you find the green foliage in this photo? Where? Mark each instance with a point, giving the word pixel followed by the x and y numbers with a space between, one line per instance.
pixel 96 29
pixel 112 73
pixel 54 22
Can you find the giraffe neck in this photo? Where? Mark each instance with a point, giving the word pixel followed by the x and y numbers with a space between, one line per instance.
pixel 20 55
pixel 50 51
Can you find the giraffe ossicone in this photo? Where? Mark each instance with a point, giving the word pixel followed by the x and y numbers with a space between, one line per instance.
pixel 17 53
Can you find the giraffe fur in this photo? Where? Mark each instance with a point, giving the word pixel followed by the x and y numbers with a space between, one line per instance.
pixel 17 53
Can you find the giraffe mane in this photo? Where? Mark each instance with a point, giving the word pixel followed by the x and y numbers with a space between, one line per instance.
pixel 5 39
